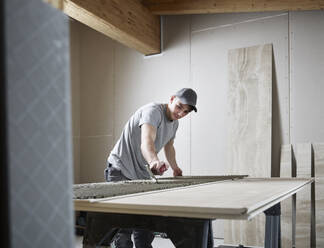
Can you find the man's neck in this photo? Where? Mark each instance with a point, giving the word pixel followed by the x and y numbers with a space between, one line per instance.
pixel 167 112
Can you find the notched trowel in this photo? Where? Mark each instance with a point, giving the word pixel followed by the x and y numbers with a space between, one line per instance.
pixel 151 174
pixel 162 169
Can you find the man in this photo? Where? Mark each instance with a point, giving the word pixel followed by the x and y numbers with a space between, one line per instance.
pixel 150 129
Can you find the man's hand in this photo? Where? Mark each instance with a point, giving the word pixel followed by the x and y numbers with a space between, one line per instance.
pixel 177 171
pixel 158 167
pixel 170 156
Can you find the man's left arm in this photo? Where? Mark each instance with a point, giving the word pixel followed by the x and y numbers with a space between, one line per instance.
pixel 170 153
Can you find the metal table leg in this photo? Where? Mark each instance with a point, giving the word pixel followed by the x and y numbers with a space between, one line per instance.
pixel 272 231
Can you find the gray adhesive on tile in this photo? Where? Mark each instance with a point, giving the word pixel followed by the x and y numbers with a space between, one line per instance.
pixel 100 190
pixel 110 189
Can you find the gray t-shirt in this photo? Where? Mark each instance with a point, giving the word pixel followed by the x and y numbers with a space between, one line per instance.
pixel 127 153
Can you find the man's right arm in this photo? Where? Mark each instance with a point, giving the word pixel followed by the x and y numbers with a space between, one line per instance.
pixel 148 136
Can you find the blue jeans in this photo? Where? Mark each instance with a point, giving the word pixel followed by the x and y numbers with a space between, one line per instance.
pixel 142 238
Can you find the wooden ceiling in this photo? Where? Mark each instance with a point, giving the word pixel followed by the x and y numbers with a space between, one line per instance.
pixel 179 7
pixel 136 23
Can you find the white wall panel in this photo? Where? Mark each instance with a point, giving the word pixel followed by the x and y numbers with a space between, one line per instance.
pixel 96 94
pixel 307 82
pixel 96 67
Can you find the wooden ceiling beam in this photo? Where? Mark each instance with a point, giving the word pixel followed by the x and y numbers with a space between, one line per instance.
pixel 126 21
pixel 177 7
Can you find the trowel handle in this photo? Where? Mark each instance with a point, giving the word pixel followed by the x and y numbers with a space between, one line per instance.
pixel 163 168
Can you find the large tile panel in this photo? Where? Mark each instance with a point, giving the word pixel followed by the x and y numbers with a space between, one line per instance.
pixel 250 110
pixel 286 163
pixel 319 193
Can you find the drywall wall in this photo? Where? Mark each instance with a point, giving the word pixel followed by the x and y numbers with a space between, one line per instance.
pixel 212 37
pixel 140 80
pixel 306 72
pixel 92 75
pixel 75 95
pixel 115 81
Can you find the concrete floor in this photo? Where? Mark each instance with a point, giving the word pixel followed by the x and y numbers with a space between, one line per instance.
pixel 157 243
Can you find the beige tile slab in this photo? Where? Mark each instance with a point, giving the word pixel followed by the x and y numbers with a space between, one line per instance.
pixel 250 109
pixel 250 101
pixel 286 161
pixel 239 232
pixel 319 193
pixel 303 155
pixel 249 197
pixel 286 205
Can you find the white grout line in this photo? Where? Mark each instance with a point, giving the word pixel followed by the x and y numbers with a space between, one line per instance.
pixel 289 77
pixel 236 23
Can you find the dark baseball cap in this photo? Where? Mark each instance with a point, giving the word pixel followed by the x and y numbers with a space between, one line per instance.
pixel 188 96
